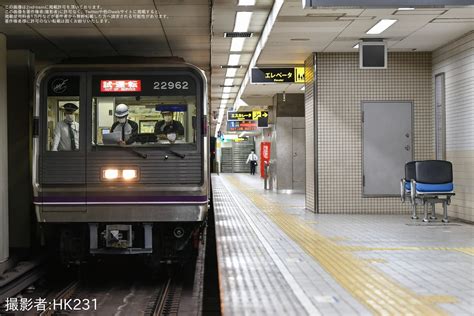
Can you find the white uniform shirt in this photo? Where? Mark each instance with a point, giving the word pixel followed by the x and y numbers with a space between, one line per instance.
pixel 61 137
pixel 252 157
pixel 127 129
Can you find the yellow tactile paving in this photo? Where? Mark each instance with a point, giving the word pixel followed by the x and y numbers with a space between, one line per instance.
pixel 378 292
pixel 465 250
pixel 375 260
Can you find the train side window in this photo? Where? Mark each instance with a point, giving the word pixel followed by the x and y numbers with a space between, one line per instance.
pixel 63 112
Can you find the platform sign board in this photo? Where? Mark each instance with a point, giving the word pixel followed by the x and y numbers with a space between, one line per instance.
pixel 240 139
pixel 241 126
pixel 278 75
pixel 261 117
pixel 239 116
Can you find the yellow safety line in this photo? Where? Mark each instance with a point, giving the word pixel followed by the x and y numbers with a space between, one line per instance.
pixel 378 292
pixel 466 250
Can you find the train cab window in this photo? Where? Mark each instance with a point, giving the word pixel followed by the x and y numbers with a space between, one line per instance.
pixel 144 120
pixel 63 111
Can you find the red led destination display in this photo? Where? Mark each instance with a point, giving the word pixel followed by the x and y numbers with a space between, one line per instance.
pixel 240 126
pixel 120 85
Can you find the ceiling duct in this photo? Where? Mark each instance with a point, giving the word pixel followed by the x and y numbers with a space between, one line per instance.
pixel 231 66
pixel 238 34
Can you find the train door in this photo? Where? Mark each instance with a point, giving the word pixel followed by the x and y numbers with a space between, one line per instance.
pixel 62 154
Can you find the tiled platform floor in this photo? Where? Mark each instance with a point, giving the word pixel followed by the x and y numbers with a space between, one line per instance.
pixel 275 258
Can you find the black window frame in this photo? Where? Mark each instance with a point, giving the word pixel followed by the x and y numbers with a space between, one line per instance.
pixel 44 113
pixel 197 147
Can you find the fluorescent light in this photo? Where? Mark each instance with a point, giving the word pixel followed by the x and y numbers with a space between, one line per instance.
pixel 225 96
pixel 229 82
pixel 233 60
pixel 237 44
pixel 242 21
pixel 381 26
pixel 271 19
pixel 303 88
pixel 356 46
pixel 231 72
pixel 246 2
pixel 405 9
pixel 226 89
pixel 221 111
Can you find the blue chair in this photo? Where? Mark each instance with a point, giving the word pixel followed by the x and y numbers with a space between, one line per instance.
pixel 431 183
pixel 405 187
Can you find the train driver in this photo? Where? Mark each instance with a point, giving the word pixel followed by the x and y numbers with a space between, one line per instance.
pixel 169 128
pixel 127 128
pixel 66 133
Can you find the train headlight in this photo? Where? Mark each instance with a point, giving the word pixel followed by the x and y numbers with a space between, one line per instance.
pixel 129 174
pixel 110 174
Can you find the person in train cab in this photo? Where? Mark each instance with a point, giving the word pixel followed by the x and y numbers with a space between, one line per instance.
pixel 66 133
pixel 128 128
pixel 169 128
pixel 252 158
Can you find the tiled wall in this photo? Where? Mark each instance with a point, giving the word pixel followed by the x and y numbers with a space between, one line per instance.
pixel 311 193
pixel 456 61
pixel 341 86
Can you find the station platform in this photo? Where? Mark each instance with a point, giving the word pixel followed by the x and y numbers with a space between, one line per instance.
pixel 276 258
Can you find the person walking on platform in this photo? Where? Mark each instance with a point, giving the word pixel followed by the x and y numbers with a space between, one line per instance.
pixel 252 158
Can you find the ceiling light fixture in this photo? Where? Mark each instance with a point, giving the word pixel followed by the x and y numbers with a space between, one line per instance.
pixel 272 16
pixel 405 9
pixel 229 82
pixel 246 2
pixel 242 21
pixel 237 44
pixel 231 72
pixel 233 59
pixel 381 26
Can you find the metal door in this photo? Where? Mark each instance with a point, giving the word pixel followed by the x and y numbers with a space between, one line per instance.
pixel 298 159
pixel 387 145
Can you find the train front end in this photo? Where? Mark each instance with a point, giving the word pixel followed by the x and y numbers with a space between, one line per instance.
pixel 120 159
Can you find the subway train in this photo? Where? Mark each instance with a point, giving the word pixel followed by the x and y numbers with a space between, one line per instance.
pixel 139 189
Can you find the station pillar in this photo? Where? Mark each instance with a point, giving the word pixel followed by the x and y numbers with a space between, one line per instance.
pixel 4 240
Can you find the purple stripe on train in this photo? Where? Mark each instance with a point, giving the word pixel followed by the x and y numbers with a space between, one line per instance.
pixel 109 199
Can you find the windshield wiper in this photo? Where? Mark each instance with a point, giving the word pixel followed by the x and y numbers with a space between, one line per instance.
pixel 138 153
pixel 176 154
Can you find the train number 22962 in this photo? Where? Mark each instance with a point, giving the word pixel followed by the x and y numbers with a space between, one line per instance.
pixel 170 85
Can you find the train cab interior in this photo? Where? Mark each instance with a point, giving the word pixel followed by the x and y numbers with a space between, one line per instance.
pixel 147 112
